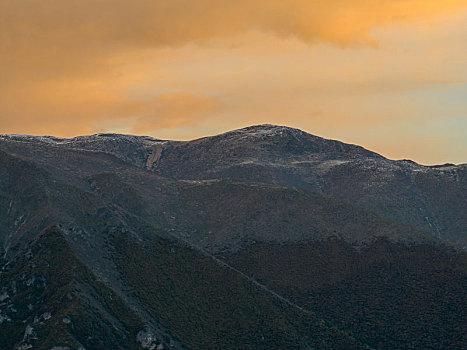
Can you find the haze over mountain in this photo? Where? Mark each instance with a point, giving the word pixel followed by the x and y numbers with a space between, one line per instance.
pixel 263 237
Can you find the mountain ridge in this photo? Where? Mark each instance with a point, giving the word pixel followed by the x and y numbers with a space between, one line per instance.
pixel 261 229
pixel 422 196
pixel 261 130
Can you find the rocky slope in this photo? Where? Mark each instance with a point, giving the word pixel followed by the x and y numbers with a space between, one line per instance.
pixel 432 198
pixel 264 237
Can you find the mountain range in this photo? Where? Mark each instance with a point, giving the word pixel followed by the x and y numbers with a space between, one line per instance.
pixel 265 237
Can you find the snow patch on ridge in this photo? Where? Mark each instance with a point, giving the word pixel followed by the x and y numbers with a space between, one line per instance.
pixel 265 130
pixel 80 140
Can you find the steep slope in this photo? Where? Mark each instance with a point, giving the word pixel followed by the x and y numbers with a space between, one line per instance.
pixel 169 230
pixel 103 278
pixel 27 197
pixel 389 295
pixel 430 198
pixel 366 275
pixel 221 214
pixel 49 298
pixel 207 305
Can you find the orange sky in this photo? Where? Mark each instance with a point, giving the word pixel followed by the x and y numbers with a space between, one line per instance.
pixel 389 75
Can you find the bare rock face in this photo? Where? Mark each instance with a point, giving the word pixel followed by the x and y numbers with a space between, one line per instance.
pixel 154 156
pixel 147 339
pixel 152 339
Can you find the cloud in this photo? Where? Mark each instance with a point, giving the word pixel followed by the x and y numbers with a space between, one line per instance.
pixel 54 37
pixel 83 108
pixel 185 67
pixel 172 110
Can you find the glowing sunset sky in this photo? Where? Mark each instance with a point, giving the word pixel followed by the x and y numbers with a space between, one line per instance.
pixel 390 75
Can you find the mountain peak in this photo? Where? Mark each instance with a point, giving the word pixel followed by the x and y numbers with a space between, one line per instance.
pixel 264 130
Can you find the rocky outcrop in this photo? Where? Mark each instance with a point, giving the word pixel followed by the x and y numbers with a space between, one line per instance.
pixel 154 156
